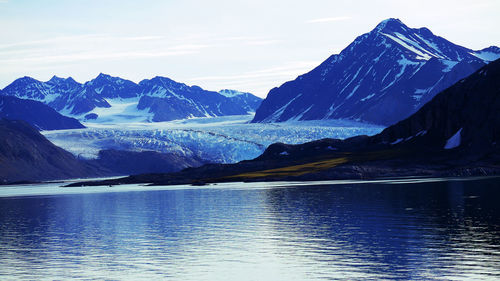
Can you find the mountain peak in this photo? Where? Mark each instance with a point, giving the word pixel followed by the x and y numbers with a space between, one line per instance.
pixel 102 76
pixel 393 67
pixel 71 80
pixel 391 24
pixel 163 80
pixel 230 93
pixel 25 79
pixel 55 79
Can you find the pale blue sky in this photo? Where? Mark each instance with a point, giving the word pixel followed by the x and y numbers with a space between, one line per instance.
pixel 246 45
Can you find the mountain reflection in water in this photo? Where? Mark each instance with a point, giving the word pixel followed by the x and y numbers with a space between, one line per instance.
pixel 437 229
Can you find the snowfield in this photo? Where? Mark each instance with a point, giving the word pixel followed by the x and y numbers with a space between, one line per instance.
pixel 226 139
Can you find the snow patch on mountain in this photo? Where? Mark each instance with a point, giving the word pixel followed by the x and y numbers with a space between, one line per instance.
pixel 455 140
pixel 367 97
pixel 449 65
pixel 231 93
pixel 278 112
pixel 487 55
pixel 420 54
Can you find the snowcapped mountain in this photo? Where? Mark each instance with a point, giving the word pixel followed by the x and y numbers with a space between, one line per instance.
pixel 382 77
pixel 246 100
pixel 169 100
pixel 108 99
pixel 64 95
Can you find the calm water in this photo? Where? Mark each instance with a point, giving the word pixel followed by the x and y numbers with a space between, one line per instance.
pixel 430 229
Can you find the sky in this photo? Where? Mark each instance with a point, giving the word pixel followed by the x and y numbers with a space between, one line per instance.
pixel 250 46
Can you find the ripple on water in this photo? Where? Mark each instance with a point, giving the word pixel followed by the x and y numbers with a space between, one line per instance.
pixel 432 229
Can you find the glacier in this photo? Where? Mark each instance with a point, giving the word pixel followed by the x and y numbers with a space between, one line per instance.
pixel 227 139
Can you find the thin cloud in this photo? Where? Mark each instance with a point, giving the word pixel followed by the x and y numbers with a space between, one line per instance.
pixel 295 68
pixel 262 42
pixel 258 82
pixel 332 19
pixel 56 40
pixel 66 49
pixel 99 56
pixel 143 38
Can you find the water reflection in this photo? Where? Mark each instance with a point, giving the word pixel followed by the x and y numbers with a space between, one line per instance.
pixel 450 230
pixel 442 230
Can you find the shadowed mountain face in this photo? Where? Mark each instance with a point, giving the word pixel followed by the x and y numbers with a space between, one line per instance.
pixel 458 128
pixel 39 115
pixel 131 162
pixel 382 77
pixel 27 155
pixel 157 99
pixel 457 133
pixel 464 118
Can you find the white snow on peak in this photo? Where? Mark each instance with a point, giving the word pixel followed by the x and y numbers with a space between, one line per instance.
pixel 384 23
pixel 431 44
pixel 411 46
pixel 230 93
pixel 454 141
pixel 486 56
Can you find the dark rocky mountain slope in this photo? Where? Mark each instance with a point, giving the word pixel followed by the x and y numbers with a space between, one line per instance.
pixel 25 154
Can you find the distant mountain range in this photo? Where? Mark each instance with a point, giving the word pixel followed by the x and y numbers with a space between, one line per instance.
pixel 457 133
pixel 157 99
pixel 382 77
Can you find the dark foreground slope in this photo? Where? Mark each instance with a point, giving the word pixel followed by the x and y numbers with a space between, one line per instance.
pixel 456 134
pixel 27 155
pixel 123 162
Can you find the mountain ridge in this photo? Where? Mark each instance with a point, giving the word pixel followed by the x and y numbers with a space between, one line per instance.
pixel 156 99
pixel 381 77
